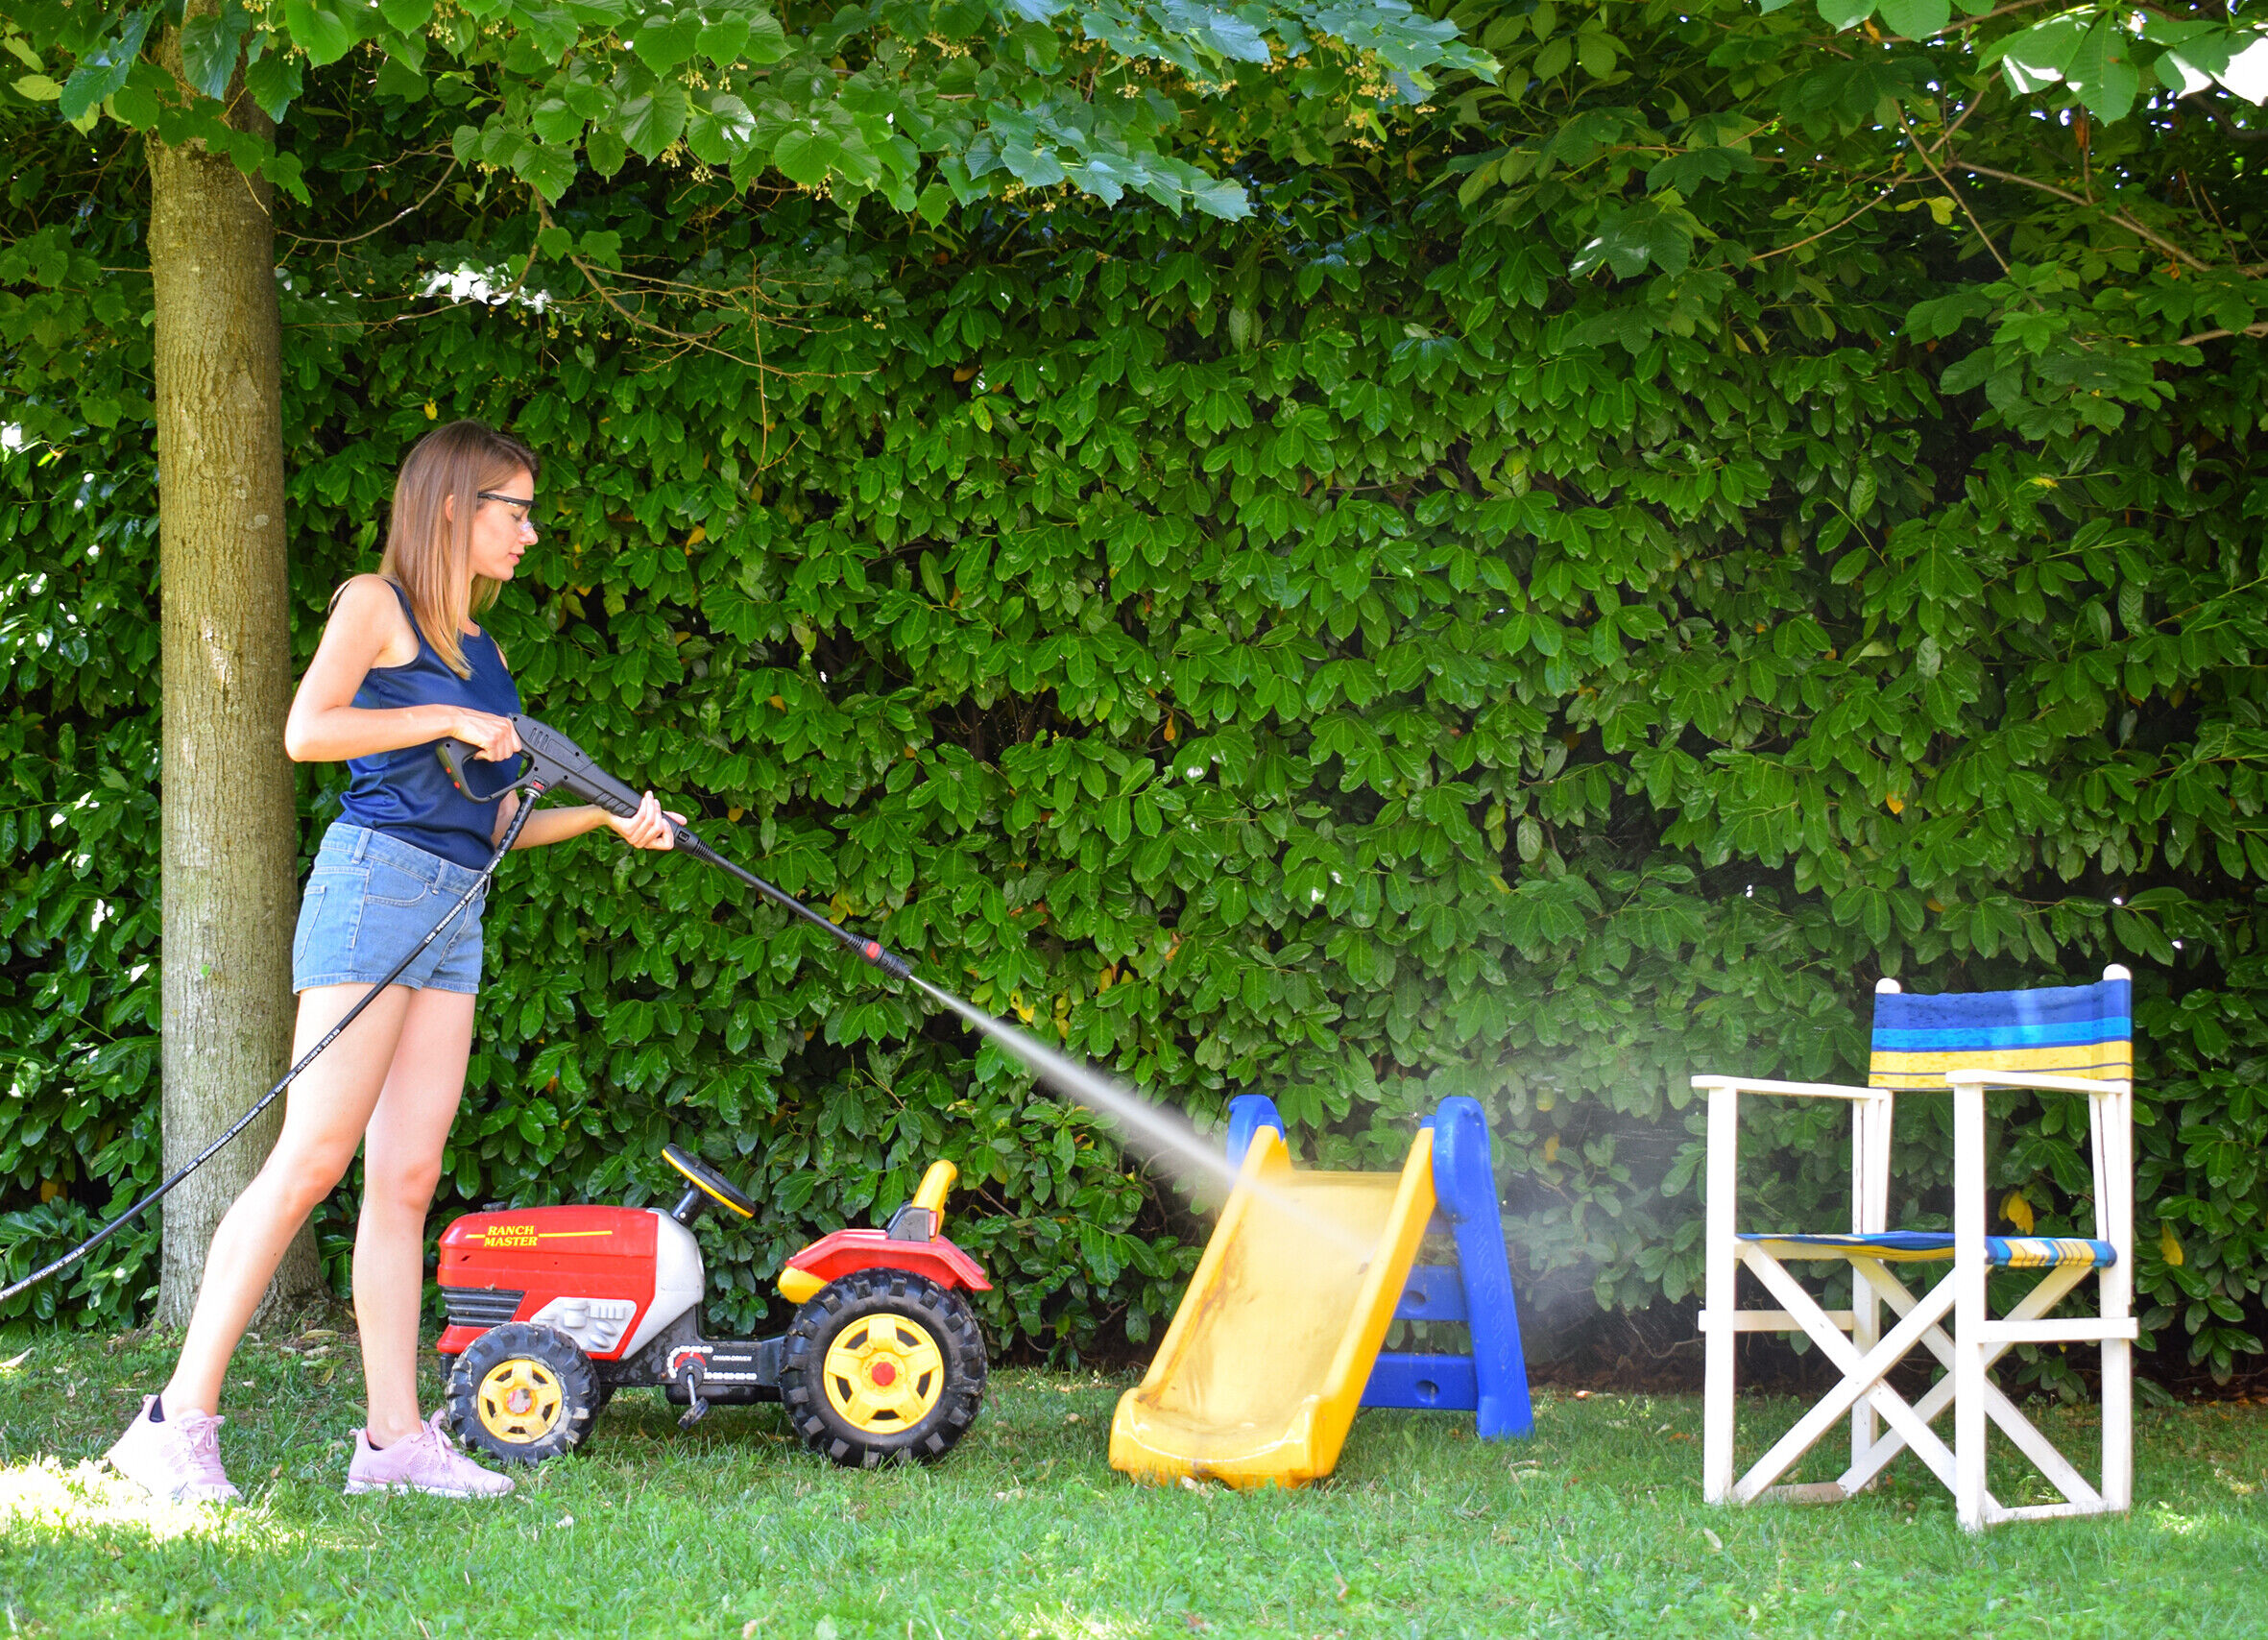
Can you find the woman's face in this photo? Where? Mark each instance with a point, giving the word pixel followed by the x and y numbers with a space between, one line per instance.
pixel 500 528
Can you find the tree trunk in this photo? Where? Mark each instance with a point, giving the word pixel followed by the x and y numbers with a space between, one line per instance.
pixel 230 837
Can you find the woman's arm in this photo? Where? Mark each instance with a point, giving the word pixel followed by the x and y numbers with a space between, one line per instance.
pixel 366 630
pixel 648 828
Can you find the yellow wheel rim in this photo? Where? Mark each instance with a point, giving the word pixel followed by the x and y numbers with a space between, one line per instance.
pixel 519 1401
pixel 883 1374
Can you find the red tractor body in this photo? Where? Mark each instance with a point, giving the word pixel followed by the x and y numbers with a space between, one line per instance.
pixel 530 1263
pixel 552 1308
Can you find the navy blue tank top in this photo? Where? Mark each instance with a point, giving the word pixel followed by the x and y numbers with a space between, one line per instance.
pixel 407 793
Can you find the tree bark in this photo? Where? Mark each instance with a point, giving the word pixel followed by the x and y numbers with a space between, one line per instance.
pixel 230 835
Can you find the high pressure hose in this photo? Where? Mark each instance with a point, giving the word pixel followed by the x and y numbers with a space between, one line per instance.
pixel 550 761
pixel 511 837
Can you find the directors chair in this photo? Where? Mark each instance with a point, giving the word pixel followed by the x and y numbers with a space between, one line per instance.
pixel 2076 1039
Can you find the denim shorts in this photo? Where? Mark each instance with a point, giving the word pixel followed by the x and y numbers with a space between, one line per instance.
pixel 367 902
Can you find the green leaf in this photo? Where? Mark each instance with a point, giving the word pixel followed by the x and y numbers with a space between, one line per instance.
pixel 547 168
pixel 1041 47
pixel 1031 163
pixel 722 42
pixel 398 82
pixel 324 32
pixel 37 88
pixel 665 40
pixel 1224 198
pixel 2102 70
pixel 807 153
pixel 650 123
pixel 274 83
pixel 2037 57
pixel 406 16
pixel 552 120
pixel 102 72
pixel 1841 15
pixel 1917 19
pixel 284 171
pixel 148 90
pixel 1969 371
pixel 605 151
pixel 1697 166
pixel 1628 239
pixel 210 43
pixel 720 132
pixel 767 40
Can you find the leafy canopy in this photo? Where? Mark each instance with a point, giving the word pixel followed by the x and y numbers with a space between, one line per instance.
pixel 2090 171
pixel 2104 56
pixel 924 103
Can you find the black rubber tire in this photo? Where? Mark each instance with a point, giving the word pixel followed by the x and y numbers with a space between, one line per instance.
pixel 838 1309
pixel 546 1353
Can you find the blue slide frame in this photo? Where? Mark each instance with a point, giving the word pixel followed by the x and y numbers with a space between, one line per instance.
pixel 1491 1383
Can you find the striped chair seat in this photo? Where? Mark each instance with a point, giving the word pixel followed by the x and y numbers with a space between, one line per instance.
pixel 1913 1247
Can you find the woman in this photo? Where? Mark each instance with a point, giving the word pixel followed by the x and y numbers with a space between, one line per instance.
pixel 400 666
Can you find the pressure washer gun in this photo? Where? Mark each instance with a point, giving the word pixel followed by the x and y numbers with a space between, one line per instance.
pixel 549 761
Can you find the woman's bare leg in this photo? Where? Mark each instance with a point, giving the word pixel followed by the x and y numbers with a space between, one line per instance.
pixel 399 1170
pixel 323 1116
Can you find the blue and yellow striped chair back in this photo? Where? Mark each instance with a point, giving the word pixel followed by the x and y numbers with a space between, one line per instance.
pixel 2068 1030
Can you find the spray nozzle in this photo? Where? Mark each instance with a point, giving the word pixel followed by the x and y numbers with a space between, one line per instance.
pixel 888 962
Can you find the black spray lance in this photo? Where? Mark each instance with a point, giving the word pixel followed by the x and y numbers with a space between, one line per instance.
pixel 554 763
pixel 550 761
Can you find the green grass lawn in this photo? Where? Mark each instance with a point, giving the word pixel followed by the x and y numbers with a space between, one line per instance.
pixel 1593 1527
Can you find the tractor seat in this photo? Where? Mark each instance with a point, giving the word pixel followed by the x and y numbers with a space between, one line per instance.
pixel 704 1184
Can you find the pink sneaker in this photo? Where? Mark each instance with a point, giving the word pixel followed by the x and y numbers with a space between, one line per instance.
pixel 178 1459
pixel 428 1462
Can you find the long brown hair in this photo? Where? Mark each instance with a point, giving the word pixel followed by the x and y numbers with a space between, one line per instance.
pixel 428 554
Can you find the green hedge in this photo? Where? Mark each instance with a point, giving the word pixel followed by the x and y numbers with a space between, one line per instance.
pixel 1338 656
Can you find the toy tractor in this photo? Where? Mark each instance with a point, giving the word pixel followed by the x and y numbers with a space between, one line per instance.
pixel 553 1309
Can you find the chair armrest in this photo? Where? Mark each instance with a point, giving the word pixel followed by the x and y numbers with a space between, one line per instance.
pixel 2043 1082
pixel 1788 1090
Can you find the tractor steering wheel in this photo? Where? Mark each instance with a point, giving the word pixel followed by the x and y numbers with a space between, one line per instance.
pixel 708 1181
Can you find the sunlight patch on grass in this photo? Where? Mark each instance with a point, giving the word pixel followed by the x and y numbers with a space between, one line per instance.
pixel 86 1497
pixel 1064 1623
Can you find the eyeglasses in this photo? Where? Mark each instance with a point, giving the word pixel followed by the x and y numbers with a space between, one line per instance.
pixel 525 503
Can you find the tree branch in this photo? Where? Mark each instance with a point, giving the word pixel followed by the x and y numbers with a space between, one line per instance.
pixel 2260 329
pixel 1947 182
pixel 1954 130
pixel 1968 23
pixel 683 338
pixel 410 211
pixel 2118 218
pixel 1781 250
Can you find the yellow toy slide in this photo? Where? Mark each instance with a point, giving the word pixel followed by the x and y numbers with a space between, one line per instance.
pixel 1263 1370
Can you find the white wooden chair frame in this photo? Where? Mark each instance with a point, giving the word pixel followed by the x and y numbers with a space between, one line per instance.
pixel 1854 1342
